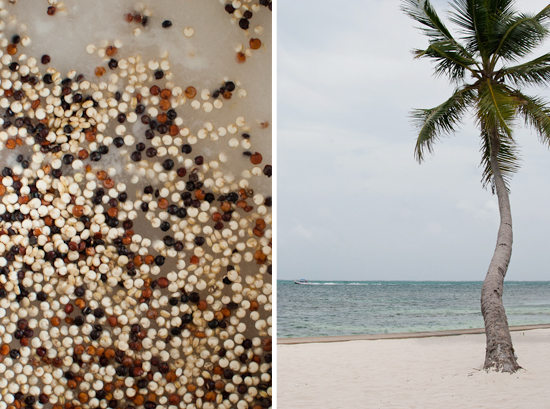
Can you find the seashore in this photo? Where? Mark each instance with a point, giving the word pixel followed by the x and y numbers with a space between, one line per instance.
pixel 422 371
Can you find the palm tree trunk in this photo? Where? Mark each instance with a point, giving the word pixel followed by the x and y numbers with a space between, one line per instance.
pixel 499 354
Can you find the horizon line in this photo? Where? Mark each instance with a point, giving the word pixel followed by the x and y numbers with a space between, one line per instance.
pixel 436 281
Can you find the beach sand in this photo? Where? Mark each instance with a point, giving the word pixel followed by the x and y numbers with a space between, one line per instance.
pixel 430 372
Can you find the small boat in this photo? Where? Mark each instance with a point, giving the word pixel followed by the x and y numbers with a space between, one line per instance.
pixel 301 281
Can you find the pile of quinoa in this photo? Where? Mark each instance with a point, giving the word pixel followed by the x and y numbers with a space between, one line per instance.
pixel 135 268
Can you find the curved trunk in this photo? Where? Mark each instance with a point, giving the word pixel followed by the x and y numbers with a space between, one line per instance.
pixel 499 354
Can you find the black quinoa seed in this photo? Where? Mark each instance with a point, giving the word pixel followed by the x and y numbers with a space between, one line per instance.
pixel 95 156
pixel 243 23
pixel 172 209
pixel 118 142
pixel 169 241
pixel 168 164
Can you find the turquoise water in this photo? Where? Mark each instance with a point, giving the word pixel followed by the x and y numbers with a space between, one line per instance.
pixel 375 307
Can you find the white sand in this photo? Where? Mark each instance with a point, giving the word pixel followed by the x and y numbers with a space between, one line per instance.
pixel 439 372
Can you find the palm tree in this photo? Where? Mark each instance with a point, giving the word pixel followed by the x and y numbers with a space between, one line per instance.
pixel 483 63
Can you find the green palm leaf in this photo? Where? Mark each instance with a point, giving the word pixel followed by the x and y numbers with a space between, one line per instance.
pixel 423 12
pixel 449 60
pixel 441 120
pixel 495 107
pixel 473 17
pixel 534 72
pixel 518 37
pixel 536 113
pixel 500 8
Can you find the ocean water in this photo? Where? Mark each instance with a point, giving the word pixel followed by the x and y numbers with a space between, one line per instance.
pixel 375 307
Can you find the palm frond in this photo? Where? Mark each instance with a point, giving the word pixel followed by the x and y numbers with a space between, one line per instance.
pixel 534 72
pixel 517 37
pixel 544 15
pixel 423 12
pixel 496 108
pixel 536 113
pixel 500 8
pixel 441 120
pixel 473 18
pixel 507 157
pixel 499 12
pixel 449 60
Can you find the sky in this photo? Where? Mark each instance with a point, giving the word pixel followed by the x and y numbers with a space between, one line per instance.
pixel 353 203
